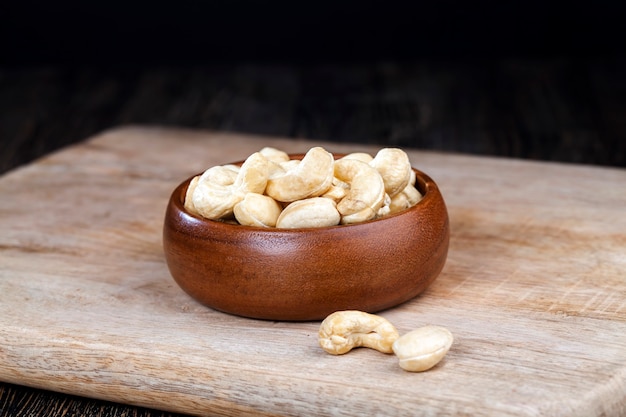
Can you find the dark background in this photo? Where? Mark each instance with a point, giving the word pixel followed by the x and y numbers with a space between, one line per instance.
pixel 115 32
pixel 536 80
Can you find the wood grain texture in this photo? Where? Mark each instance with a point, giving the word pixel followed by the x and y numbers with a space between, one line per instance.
pixel 31 402
pixel 533 291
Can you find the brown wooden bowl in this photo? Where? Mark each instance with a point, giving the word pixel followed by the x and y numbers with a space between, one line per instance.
pixel 306 274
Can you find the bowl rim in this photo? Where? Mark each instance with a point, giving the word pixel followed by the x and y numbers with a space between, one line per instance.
pixel 423 182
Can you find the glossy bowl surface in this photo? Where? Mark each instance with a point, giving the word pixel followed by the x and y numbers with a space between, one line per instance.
pixel 306 274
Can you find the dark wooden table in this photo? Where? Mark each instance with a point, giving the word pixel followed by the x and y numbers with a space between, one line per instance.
pixel 558 109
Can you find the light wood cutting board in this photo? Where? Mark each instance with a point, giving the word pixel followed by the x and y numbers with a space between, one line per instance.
pixel 534 291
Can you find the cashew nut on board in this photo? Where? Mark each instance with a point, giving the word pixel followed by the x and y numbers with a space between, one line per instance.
pixel 417 351
pixel 342 331
pixel 423 348
pixel 358 187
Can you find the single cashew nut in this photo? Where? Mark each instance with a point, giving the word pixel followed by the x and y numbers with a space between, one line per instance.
pixel 423 348
pixel 216 201
pixel 361 156
pixel 220 174
pixel 188 203
pixel 274 155
pixel 290 164
pixel 406 198
pixel 253 175
pixel 342 331
pixel 257 210
pixel 310 212
pixel 385 209
pixel 394 166
pixel 337 190
pixel 366 194
pixel 311 177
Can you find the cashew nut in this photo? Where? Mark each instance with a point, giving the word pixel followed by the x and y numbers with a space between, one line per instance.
pixel 361 156
pixel 310 212
pixel 257 210
pixel 385 208
pixel 423 348
pixel 221 174
pixel 394 166
pixel 360 186
pixel 366 194
pixel 309 178
pixel 337 190
pixel 290 164
pixel 215 201
pixel 274 155
pixel 406 198
pixel 343 330
pixel 188 204
pixel 413 178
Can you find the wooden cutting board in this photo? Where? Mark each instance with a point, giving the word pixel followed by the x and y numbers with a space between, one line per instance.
pixel 534 291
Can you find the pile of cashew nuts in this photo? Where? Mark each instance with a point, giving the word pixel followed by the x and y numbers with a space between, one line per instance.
pixel 418 350
pixel 272 190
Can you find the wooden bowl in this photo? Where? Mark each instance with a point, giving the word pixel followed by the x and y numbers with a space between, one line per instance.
pixel 306 274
